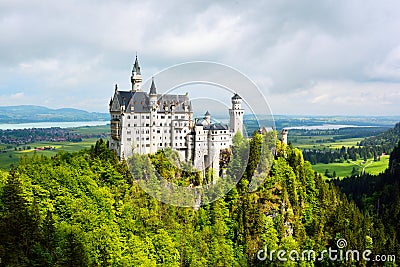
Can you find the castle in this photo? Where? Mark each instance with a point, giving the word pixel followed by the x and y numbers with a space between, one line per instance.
pixel 147 122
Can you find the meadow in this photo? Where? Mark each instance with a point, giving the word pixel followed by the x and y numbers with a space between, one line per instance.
pixel 321 140
pixel 12 156
pixel 345 169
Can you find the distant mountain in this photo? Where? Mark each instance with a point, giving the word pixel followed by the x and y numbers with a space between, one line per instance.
pixel 30 113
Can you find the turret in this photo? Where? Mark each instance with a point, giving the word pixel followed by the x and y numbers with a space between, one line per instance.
pixel 236 114
pixel 153 94
pixel 136 77
pixel 207 117
pixel 284 136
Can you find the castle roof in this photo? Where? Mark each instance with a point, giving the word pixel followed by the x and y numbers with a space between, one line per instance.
pixel 136 67
pixel 153 89
pixel 139 101
pixel 236 96
pixel 216 126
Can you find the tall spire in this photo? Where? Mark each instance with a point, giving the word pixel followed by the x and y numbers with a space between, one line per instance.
pixel 153 89
pixel 136 67
pixel 136 77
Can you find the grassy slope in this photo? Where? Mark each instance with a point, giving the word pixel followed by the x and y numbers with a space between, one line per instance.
pixel 345 168
pixel 6 161
pixel 341 169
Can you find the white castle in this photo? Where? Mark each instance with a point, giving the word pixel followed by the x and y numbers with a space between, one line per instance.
pixel 147 122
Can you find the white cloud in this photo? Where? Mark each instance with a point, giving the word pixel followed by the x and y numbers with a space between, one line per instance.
pixel 341 98
pixel 66 51
pixel 389 67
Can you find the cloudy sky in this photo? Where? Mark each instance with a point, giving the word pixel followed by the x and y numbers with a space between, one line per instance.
pixel 307 57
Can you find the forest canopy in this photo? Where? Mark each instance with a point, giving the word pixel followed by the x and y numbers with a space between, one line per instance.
pixel 87 209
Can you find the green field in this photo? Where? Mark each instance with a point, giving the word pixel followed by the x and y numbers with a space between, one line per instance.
pixel 12 156
pixel 323 142
pixel 101 129
pixel 344 169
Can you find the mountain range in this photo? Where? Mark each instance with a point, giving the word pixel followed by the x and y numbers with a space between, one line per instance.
pixel 31 113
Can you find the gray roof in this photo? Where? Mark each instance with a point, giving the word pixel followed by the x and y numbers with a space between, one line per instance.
pixel 216 126
pixel 139 100
pixel 136 67
pixel 153 89
pixel 236 96
pixel 201 121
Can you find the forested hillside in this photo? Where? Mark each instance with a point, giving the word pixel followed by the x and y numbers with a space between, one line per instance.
pixel 86 209
pixel 31 113
pixel 379 196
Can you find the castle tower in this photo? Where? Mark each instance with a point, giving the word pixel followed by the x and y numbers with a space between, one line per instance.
pixel 236 114
pixel 136 77
pixel 207 117
pixel 153 112
pixel 284 136
pixel 153 94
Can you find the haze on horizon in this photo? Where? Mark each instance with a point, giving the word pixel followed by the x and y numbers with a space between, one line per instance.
pixel 307 57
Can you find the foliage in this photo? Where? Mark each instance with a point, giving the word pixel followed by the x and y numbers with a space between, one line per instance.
pixel 87 209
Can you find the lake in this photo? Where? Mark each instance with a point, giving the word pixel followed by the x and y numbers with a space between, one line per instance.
pixel 66 124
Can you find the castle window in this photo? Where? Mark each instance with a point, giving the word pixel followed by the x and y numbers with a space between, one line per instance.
pixel 134 125
pixel 142 117
pixel 147 145
pixel 129 125
pixel 147 117
pixel 147 125
pixel 135 117
pixel 128 132
pixel 129 117
pixel 183 116
pixel 160 144
pixel 128 139
pixel 162 117
pixel 169 116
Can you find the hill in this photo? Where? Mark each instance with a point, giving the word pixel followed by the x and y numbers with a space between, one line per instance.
pixel 31 113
